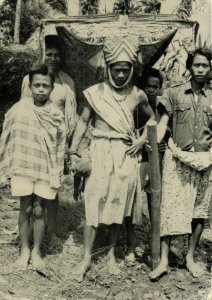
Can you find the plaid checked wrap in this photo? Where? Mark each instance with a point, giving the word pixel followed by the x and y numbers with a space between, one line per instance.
pixel 32 143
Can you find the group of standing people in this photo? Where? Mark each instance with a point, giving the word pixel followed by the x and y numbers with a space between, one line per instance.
pixel 39 128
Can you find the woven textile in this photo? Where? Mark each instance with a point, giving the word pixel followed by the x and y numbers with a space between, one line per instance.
pixel 32 143
pixel 186 194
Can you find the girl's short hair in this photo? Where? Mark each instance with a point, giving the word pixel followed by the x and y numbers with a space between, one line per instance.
pixel 43 70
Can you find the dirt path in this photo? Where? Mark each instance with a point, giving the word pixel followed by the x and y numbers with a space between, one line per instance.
pixel 56 282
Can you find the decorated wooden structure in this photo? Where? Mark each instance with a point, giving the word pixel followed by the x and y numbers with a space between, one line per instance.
pixel 164 41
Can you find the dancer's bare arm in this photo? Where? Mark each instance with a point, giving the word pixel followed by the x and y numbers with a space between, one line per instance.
pixel 146 109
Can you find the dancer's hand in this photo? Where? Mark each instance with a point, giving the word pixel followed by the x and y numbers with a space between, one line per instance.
pixel 83 166
pixel 74 160
pixel 162 147
pixel 148 148
pixel 128 141
pixel 135 147
pixel 173 147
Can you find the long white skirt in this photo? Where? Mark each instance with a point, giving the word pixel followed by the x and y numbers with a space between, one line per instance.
pixel 111 188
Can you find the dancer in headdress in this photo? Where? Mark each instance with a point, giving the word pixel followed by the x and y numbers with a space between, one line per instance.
pixel 113 184
pixel 32 157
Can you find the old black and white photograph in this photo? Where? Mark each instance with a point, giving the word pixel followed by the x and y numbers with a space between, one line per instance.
pixel 105 150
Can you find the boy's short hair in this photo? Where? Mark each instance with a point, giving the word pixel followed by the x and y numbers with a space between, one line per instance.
pixel 199 51
pixel 43 70
pixel 151 72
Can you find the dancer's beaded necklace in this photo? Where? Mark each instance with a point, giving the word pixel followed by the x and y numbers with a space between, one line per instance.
pixel 120 96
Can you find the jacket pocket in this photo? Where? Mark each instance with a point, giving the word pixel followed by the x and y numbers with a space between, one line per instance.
pixel 182 113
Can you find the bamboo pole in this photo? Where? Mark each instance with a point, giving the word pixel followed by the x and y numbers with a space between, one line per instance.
pixel 155 181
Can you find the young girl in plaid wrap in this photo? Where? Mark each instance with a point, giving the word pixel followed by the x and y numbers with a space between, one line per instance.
pixel 32 155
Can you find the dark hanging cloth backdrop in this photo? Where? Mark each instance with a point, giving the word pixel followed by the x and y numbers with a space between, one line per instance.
pixel 81 40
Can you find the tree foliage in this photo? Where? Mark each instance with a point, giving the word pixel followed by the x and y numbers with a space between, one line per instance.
pixel 89 7
pixel 60 5
pixel 15 61
pixel 32 12
pixel 185 8
pixel 7 20
pixel 122 6
pixel 131 6
pixel 32 15
pixel 151 6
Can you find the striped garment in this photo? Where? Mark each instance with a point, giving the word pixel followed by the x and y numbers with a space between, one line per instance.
pixel 32 143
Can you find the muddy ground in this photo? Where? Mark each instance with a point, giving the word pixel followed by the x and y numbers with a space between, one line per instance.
pixel 56 282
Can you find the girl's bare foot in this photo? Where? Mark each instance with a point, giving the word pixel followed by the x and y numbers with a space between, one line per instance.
pixel 161 270
pixel 38 263
pixel 194 268
pixel 22 262
pixel 130 257
pixel 113 267
pixel 81 269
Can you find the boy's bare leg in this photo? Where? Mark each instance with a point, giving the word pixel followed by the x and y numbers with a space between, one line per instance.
pixel 39 227
pixel 89 238
pixel 130 256
pixel 197 228
pixel 24 231
pixel 163 266
pixel 52 211
pixel 114 230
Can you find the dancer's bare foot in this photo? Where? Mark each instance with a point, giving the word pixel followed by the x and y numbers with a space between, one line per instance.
pixel 113 267
pixel 161 270
pixel 81 269
pixel 130 257
pixel 38 263
pixel 22 262
pixel 194 268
